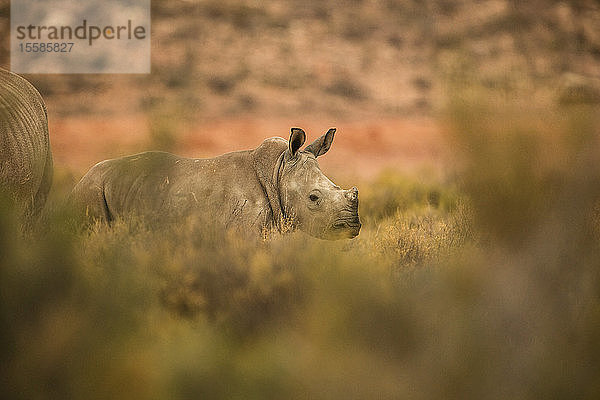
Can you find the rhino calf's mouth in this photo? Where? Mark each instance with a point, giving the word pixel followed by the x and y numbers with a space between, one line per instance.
pixel 349 224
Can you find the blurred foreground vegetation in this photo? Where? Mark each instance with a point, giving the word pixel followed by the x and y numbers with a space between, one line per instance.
pixel 485 286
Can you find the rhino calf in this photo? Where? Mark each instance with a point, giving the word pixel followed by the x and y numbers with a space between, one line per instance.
pixel 268 187
pixel 25 157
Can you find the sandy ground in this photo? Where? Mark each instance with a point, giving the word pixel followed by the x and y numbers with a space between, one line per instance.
pixel 361 148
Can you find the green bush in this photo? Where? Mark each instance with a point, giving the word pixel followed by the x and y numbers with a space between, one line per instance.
pixel 392 192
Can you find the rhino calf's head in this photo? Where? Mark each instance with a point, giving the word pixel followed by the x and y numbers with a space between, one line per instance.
pixel 319 207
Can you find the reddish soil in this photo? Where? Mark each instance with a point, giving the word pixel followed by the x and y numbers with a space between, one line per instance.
pixel 361 149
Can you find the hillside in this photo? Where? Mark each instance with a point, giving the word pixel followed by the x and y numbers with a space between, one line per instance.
pixel 383 71
pixel 352 59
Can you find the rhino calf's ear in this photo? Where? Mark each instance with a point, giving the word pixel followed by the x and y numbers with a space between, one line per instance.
pixel 322 144
pixel 297 139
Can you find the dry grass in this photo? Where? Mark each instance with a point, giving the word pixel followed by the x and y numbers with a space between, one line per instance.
pixel 449 290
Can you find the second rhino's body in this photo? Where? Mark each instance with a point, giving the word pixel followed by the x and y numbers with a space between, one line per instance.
pixel 25 156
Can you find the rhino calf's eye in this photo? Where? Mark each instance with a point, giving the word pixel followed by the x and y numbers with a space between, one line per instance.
pixel 313 197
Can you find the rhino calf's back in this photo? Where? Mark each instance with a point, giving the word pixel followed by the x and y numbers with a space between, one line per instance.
pixel 162 186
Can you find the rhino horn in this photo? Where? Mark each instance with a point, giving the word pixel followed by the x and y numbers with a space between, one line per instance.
pixel 322 144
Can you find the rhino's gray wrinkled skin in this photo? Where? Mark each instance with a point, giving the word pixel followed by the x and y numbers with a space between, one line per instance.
pixel 25 157
pixel 272 186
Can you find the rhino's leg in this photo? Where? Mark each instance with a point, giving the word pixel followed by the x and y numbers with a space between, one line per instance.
pixel 90 202
pixel 106 214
